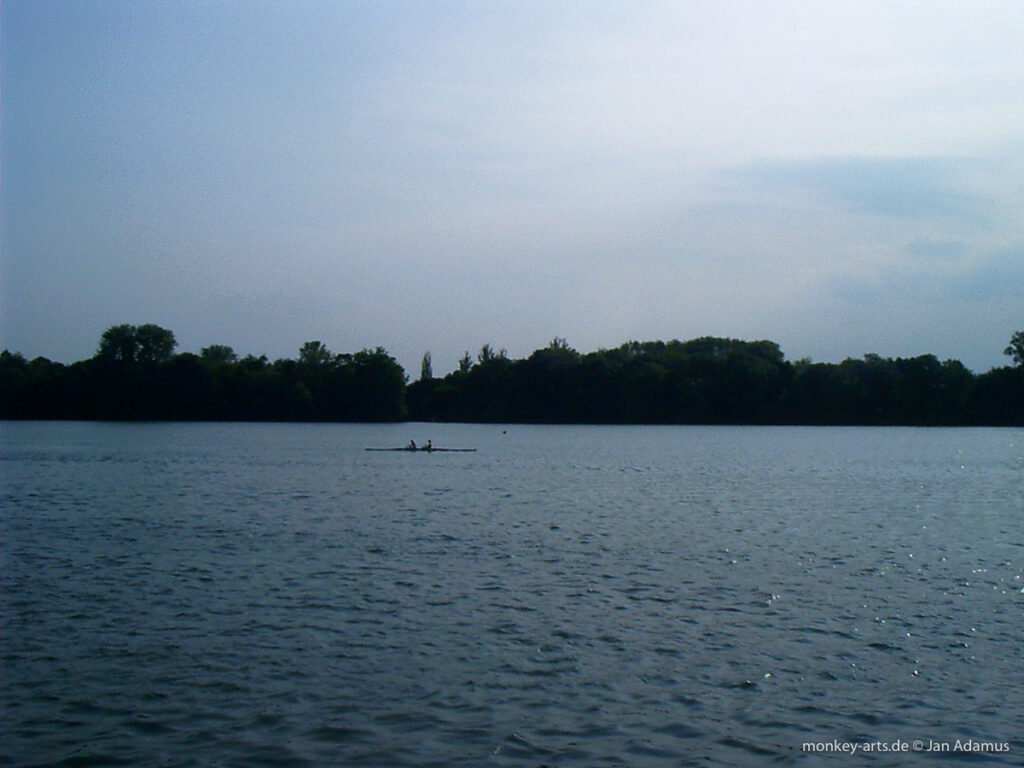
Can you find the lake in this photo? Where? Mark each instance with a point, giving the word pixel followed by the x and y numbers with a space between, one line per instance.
pixel 275 595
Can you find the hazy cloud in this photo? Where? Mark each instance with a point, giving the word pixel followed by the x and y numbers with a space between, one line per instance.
pixel 906 187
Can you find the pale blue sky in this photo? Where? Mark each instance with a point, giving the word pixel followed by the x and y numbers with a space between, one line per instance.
pixel 841 177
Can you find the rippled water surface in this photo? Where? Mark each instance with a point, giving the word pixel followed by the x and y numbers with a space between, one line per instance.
pixel 236 595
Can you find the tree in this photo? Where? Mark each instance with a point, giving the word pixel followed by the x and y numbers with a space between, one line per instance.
pixel 119 343
pixel 314 353
pixel 426 369
pixel 1016 348
pixel 155 344
pixel 465 363
pixel 15 385
pixel 377 387
pixel 147 343
pixel 559 343
pixel 218 353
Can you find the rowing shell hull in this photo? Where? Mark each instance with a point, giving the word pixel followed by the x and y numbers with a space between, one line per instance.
pixel 426 450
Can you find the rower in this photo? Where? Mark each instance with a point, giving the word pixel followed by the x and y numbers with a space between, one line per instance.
pixel 411 446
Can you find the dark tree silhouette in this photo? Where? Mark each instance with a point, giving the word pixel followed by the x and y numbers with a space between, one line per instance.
pixel 714 381
pixel 218 353
pixel 119 344
pixel 1015 349
pixel 147 343
pixel 314 353
pixel 154 344
pixel 136 375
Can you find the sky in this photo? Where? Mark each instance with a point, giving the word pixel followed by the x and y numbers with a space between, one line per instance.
pixel 841 178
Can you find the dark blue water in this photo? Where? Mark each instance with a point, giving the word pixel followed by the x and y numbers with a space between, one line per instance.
pixel 274 595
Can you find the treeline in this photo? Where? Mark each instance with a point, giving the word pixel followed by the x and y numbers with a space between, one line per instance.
pixel 718 381
pixel 135 375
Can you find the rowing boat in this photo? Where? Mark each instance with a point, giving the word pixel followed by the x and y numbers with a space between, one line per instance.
pixel 431 450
